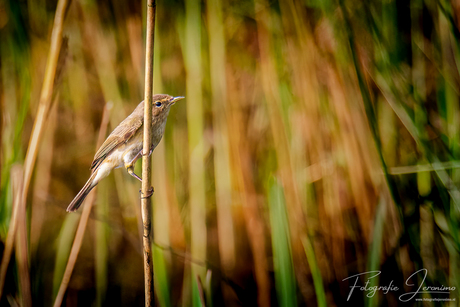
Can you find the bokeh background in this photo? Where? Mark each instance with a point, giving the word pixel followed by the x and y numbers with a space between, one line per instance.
pixel 317 140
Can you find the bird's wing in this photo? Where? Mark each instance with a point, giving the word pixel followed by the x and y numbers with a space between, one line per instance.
pixel 120 135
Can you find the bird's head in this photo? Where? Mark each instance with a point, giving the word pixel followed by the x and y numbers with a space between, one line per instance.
pixel 161 103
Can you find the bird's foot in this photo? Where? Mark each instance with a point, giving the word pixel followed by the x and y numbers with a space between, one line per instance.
pixel 150 152
pixel 149 193
pixel 130 170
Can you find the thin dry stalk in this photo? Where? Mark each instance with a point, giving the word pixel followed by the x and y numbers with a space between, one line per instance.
pixel 147 189
pixel 16 173
pixel 83 219
pixel 37 131
pixel 22 246
pixel 75 249
pixel 46 94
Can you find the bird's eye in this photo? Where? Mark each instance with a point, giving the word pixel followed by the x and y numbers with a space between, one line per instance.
pixel 158 104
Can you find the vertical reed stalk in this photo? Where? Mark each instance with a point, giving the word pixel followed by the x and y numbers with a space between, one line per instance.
pixel 196 141
pixel 146 160
pixel 21 245
pixel 222 169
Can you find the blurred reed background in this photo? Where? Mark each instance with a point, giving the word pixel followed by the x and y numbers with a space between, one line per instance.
pixel 317 140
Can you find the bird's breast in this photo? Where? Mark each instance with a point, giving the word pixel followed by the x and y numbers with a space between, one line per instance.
pixel 158 129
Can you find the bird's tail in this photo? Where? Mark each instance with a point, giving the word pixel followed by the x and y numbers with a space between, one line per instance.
pixel 78 200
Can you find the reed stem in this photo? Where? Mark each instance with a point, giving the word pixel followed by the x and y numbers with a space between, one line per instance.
pixel 147 189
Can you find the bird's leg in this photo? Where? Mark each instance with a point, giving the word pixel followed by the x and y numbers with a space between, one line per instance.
pixel 130 166
pixel 130 169
pixel 135 158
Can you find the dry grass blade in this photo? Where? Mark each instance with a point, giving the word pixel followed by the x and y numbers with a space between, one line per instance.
pixel 22 253
pixel 83 220
pixel 75 248
pixel 16 176
pixel 46 94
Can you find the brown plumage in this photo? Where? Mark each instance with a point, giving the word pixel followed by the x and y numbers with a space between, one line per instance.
pixel 124 145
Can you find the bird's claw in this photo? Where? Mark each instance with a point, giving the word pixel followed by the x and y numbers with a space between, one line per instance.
pixel 149 193
pixel 150 152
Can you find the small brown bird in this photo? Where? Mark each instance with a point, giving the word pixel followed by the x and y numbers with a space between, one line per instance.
pixel 124 145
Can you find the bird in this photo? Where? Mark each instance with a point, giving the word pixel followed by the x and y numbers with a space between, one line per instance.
pixel 123 147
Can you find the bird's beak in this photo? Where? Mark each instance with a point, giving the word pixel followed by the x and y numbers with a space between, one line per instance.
pixel 173 101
